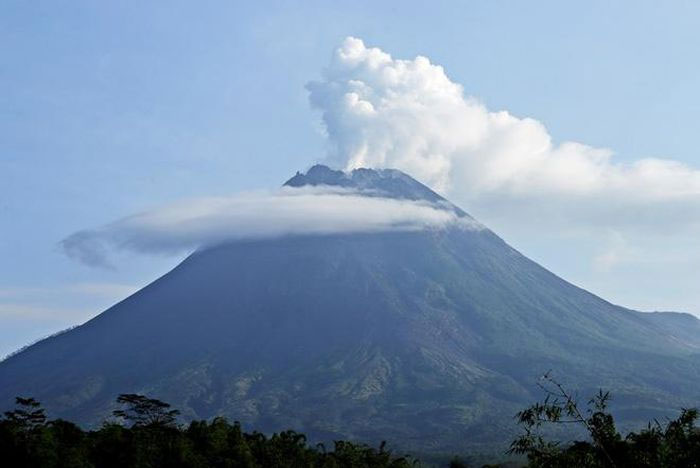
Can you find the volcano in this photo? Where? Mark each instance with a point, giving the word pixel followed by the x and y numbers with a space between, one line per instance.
pixel 430 339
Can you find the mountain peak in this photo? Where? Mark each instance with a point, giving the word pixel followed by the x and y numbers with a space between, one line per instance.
pixel 362 336
pixel 390 183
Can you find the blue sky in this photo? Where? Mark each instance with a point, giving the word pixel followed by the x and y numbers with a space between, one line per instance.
pixel 110 108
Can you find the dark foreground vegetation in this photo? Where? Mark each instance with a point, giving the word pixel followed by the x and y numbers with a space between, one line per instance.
pixel 673 444
pixel 144 433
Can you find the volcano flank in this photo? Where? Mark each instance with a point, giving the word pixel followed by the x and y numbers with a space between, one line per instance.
pixel 431 339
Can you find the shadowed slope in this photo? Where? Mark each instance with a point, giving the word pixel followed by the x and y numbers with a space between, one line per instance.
pixel 429 339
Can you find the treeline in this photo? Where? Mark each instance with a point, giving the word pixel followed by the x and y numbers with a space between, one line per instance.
pixel 146 435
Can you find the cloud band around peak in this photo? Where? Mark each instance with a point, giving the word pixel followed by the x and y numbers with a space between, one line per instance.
pixel 203 222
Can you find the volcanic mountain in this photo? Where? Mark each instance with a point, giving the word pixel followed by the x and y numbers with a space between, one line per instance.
pixel 431 339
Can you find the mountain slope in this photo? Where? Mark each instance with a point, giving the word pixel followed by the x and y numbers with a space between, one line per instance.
pixel 429 339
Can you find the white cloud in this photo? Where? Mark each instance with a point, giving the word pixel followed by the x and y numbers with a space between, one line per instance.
pixel 407 114
pixel 194 223
pixel 557 201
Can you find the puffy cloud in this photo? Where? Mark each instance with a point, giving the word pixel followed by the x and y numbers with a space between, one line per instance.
pixel 407 114
pixel 558 201
pixel 195 223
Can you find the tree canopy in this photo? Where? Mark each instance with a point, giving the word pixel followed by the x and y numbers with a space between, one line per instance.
pixel 675 444
pixel 146 434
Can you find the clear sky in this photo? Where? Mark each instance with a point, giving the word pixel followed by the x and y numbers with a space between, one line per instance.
pixel 110 108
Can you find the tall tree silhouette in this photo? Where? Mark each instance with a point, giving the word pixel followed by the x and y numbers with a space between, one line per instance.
pixel 142 411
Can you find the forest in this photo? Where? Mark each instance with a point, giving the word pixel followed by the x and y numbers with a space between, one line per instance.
pixel 144 432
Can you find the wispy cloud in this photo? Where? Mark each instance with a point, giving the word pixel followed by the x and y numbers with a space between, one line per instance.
pixel 194 223
pixel 615 252
pixel 108 290
pixel 39 312
pixel 58 303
